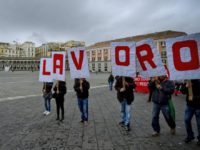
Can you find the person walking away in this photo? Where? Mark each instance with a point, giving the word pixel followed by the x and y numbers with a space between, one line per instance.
pixel 162 90
pixel 81 87
pixel 47 95
pixel 191 89
pixel 124 87
pixel 60 90
pixel 110 81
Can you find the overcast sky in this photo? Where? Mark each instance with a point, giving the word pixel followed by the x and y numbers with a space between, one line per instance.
pixel 93 21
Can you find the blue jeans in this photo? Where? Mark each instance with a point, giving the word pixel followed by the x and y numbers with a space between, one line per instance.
pixel 47 104
pixel 83 107
pixel 125 110
pixel 166 114
pixel 110 85
pixel 189 112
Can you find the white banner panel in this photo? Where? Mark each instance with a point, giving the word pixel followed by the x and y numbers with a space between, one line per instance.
pixel 149 62
pixel 45 74
pixel 183 54
pixel 123 59
pixel 58 65
pixel 78 63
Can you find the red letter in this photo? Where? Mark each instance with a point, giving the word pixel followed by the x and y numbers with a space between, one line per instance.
pixel 58 57
pixel 44 72
pixel 193 63
pixel 78 65
pixel 148 57
pixel 127 55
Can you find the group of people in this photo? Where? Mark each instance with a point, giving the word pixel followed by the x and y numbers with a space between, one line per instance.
pixel 161 90
pixel 81 87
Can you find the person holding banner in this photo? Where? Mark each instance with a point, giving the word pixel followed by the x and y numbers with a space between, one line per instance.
pixel 162 90
pixel 60 90
pixel 110 81
pixel 191 89
pixel 150 90
pixel 124 87
pixel 81 86
pixel 47 94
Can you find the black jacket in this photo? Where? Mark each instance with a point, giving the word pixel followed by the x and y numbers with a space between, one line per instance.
pixel 111 78
pixel 82 94
pixel 164 94
pixel 195 103
pixel 128 93
pixel 62 90
pixel 47 86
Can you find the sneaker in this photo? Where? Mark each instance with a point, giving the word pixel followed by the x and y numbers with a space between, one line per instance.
pixel 127 127
pixel 155 134
pixel 187 139
pixel 81 121
pixel 47 113
pixel 173 131
pixel 86 122
pixel 122 124
pixel 198 142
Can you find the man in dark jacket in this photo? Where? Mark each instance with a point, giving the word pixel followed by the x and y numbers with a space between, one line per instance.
pixel 191 89
pixel 162 91
pixel 60 90
pixel 124 87
pixel 47 94
pixel 110 81
pixel 81 86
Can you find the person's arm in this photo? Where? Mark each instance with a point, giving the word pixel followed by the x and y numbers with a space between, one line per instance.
pixel 77 88
pixel 117 88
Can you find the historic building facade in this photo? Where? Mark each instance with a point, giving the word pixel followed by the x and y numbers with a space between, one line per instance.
pixel 99 54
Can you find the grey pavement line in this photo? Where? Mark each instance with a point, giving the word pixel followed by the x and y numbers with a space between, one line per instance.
pixel 37 95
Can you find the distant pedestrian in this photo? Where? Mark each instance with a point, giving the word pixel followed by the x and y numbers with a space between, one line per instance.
pixel 162 90
pixel 124 87
pixel 47 94
pixel 191 89
pixel 110 81
pixel 60 90
pixel 81 86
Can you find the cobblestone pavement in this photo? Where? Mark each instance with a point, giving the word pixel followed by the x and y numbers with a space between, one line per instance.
pixel 23 126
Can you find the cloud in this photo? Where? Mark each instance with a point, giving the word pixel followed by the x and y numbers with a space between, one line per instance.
pixel 93 21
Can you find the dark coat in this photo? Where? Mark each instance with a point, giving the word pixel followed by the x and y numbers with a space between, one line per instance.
pixel 128 93
pixel 47 90
pixel 164 94
pixel 111 78
pixel 62 90
pixel 86 86
pixel 47 86
pixel 195 103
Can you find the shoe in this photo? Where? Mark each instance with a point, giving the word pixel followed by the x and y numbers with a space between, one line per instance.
pixel 47 113
pixel 198 142
pixel 173 131
pixel 127 127
pixel 187 139
pixel 81 121
pixel 86 122
pixel 155 134
pixel 57 118
pixel 122 124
